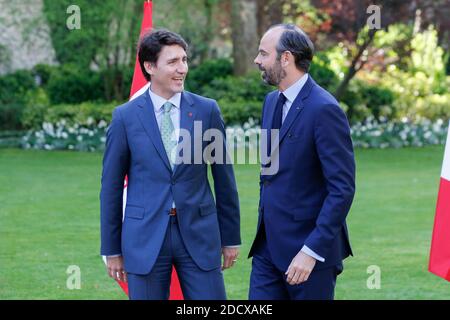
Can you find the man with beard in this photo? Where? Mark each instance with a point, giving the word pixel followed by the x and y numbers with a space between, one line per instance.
pixel 302 236
pixel 171 216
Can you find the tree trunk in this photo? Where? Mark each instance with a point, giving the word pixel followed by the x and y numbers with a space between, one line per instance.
pixel 355 66
pixel 208 33
pixel 244 35
pixel 270 12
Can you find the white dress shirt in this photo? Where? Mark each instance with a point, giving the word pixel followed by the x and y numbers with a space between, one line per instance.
pixel 290 94
pixel 158 103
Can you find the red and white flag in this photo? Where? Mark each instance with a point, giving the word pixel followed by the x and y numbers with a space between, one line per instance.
pixel 138 86
pixel 440 243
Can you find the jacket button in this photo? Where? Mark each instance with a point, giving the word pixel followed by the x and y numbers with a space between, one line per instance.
pixel 266 183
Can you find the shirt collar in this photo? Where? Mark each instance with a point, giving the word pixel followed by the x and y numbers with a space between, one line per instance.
pixel 159 101
pixel 292 92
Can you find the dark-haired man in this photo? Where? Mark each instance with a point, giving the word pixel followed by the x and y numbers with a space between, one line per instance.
pixel 171 217
pixel 302 235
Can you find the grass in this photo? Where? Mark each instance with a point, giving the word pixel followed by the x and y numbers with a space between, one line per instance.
pixel 49 220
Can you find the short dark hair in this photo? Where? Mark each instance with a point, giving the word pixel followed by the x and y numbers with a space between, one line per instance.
pixel 297 42
pixel 151 44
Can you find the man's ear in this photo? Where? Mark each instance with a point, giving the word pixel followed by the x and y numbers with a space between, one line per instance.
pixel 286 58
pixel 149 67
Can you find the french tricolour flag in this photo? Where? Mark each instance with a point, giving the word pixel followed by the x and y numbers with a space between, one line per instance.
pixel 440 243
pixel 138 86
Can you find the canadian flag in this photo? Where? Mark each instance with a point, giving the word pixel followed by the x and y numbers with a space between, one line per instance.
pixel 440 242
pixel 138 86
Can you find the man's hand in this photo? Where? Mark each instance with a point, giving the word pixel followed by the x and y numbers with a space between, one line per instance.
pixel 115 268
pixel 229 257
pixel 300 268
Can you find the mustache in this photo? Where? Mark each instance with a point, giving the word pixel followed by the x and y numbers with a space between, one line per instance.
pixel 261 68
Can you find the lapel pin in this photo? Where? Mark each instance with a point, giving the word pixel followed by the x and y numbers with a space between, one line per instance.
pixel 190 114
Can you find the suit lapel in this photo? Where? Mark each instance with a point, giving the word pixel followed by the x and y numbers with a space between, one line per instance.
pixel 270 109
pixel 148 120
pixel 187 116
pixel 296 107
pixel 294 111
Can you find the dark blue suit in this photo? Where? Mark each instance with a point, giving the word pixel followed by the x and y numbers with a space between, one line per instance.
pixel 134 147
pixel 306 202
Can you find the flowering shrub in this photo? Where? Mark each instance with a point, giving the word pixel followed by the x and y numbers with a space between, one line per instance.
pixel 91 136
pixel 372 134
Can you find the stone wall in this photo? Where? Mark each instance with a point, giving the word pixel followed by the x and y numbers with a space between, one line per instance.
pixel 24 36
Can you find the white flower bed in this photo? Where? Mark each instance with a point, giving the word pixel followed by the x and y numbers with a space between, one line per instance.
pixel 90 136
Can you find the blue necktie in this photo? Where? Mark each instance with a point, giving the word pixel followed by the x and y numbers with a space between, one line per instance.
pixel 277 118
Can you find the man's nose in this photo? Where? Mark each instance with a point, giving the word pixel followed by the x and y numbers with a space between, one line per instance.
pixel 183 68
pixel 256 61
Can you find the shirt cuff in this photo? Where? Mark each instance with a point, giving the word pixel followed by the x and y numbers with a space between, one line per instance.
pixel 311 253
pixel 114 255
pixel 236 246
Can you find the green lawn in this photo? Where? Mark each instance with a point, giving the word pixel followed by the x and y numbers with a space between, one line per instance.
pixel 49 220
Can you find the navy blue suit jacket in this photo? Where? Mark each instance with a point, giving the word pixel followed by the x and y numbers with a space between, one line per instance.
pixel 134 147
pixel 306 202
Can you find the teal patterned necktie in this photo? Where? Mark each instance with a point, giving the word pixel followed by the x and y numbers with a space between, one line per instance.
pixel 167 133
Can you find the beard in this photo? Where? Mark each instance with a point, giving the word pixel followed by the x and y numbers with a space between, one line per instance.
pixel 273 75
